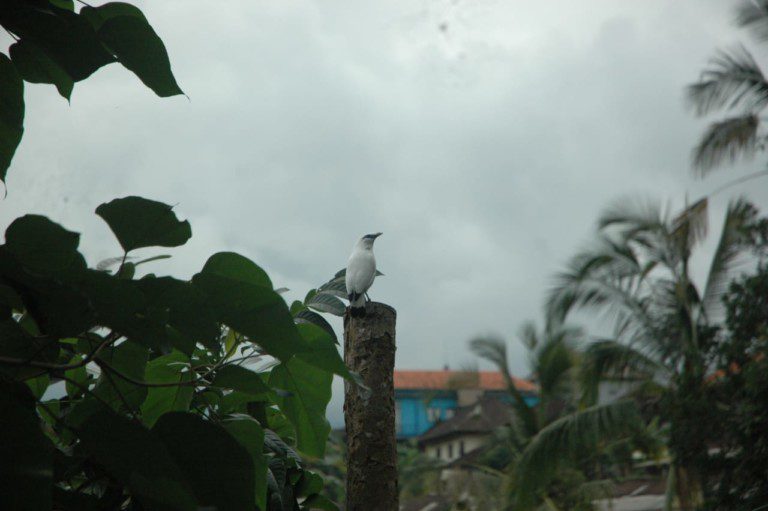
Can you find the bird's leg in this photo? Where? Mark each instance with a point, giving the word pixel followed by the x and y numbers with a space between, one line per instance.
pixel 367 298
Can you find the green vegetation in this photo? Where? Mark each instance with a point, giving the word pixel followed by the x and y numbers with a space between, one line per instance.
pixel 154 392
pixel 128 392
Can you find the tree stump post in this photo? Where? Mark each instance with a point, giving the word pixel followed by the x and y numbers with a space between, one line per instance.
pixel 369 350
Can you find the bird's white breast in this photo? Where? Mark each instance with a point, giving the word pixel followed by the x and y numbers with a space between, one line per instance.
pixel 361 270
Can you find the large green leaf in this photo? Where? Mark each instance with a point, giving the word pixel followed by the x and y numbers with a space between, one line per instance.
pixel 139 222
pixel 218 468
pixel 43 246
pixel 97 16
pixel 26 455
pixel 188 311
pixel 16 343
pixel 304 315
pixel 66 37
pixel 137 458
pixel 322 351
pixel 310 392
pixel 242 297
pixel 11 112
pixel 171 368
pixel 242 380
pixel 129 359
pixel 250 435
pixel 128 34
pixel 324 302
pixel 35 66
pixel 138 47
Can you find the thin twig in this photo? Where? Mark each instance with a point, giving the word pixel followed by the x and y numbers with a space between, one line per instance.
pixel 192 383
pixel 59 367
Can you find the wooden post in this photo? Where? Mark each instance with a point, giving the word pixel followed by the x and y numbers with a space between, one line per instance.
pixel 369 350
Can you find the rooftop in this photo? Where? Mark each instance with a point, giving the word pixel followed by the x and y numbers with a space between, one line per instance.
pixel 446 379
pixel 483 417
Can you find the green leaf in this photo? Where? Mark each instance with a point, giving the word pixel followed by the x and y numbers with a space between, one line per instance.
pixel 126 32
pixel 218 468
pixel 250 435
pixel 237 269
pixel 129 359
pixel 310 390
pixel 79 375
pixel 67 38
pixel 327 303
pixel 335 288
pixel 242 298
pixel 97 16
pixel 26 455
pixel 34 66
pixel 16 343
pixel 188 309
pixel 64 4
pixel 139 459
pixel 139 222
pixel 241 379
pixel 11 112
pixel 307 316
pixel 309 484
pixel 171 368
pixel 322 351
pixel 43 246
pixel 39 385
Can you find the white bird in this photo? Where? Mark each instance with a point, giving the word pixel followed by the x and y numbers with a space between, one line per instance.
pixel 361 270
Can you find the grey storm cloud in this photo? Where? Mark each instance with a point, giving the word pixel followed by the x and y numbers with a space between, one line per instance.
pixel 482 138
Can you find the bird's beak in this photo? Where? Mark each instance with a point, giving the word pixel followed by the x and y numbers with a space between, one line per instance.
pixel 378 234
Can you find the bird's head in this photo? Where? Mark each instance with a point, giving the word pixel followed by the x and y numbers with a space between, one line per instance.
pixel 368 239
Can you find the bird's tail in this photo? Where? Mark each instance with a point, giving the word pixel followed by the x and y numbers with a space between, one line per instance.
pixel 357 304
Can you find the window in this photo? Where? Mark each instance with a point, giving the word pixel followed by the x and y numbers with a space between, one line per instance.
pixel 437 451
pixel 433 414
pixel 461 448
pixel 450 451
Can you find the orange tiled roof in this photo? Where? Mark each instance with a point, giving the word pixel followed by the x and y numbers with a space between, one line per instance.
pixel 488 380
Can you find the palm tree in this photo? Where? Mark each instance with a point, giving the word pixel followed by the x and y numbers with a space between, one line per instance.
pixel 733 82
pixel 637 275
pixel 541 453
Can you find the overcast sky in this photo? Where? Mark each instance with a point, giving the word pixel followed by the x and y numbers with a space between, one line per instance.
pixel 482 137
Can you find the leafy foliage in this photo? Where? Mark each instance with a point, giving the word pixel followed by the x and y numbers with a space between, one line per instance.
pixel 664 329
pixel 150 391
pixel 733 83
pixel 55 44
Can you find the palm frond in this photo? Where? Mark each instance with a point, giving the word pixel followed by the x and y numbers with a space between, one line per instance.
pixel 611 360
pixel 726 141
pixel 553 364
pixel 690 226
pixel 732 79
pixel 632 215
pixel 726 256
pixel 495 351
pixel 529 336
pixel 753 15
pixel 567 438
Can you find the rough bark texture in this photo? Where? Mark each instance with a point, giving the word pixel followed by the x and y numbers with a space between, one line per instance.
pixel 369 350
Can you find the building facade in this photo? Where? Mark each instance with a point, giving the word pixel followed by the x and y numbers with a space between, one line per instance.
pixel 425 398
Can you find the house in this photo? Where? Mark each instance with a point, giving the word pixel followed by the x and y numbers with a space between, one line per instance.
pixel 467 432
pixel 424 398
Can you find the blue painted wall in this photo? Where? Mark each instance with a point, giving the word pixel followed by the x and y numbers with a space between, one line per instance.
pixel 414 418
